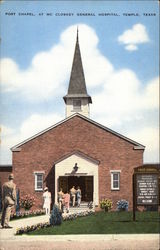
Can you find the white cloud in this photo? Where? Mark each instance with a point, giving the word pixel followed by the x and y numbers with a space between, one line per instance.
pixel 124 106
pixel 120 100
pixel 49 70
pixel 123 98
pixel 152 94
pixel 131 47
pixel 132 37
pixel 31 126
pixel 36 123
pixel 149 136
pixel 5 131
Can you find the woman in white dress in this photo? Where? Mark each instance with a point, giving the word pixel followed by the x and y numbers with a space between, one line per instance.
pixel 47 200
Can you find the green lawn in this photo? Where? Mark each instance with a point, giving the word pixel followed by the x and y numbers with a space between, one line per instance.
pixel 106 223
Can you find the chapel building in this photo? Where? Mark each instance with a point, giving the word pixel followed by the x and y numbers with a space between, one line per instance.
pixel 77 151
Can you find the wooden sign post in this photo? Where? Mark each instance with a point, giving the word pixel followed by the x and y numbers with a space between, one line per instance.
pixel 145 187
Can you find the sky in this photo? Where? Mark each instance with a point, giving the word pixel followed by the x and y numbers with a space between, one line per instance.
pixel 119 43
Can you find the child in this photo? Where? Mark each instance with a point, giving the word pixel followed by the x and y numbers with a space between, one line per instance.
pixel 66 201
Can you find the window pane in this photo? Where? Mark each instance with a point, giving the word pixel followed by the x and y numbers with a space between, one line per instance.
pixel 115 180
pixel 39 181
pixel 115 184
pixel 39 177
pixel 39 185
pixel 115 177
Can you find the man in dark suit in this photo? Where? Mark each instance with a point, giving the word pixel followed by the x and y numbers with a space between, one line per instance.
pixel 8 201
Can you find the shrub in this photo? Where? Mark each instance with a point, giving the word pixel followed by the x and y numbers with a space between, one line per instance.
pixel 56 216
pixel 122 205
pixel 76 215
pixel 18 202
pixel 106 204
pixel 23 230
pixel 27 202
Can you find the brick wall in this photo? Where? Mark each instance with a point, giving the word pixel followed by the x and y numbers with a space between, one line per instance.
pixel 4 173
pixel 113 152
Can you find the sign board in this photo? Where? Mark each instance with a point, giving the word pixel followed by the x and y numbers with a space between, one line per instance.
pixel 147 189
pixel 146 180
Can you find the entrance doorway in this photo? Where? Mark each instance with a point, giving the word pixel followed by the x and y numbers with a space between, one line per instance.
pixel 84 182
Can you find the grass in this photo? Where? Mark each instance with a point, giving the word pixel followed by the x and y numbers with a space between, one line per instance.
pixel 106 223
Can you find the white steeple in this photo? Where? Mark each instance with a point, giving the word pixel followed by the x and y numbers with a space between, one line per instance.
pixel 77 99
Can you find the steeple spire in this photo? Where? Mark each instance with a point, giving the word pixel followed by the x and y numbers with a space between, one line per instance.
pixel 77 35
pixel 77 87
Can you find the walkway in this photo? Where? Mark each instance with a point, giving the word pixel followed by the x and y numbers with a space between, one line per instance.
pixel 9 241
pixel 9 233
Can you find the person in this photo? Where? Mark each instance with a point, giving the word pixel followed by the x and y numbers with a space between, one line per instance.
pixel 73 195
pixel 66 201
pixel 47 200
pixel 60 198
pixel 78 193
pixel 8 200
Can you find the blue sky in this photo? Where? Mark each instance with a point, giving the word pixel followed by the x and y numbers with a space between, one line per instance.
pixel 120 59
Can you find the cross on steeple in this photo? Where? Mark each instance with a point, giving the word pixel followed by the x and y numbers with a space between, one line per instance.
pixel 77 98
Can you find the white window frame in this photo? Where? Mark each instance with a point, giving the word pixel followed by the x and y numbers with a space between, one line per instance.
pixel 77 107
pixel 112 181
pixel 35 175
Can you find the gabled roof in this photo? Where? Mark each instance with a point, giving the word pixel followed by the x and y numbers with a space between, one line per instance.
pixel 77 85
pixel 136 144
pixel 79 153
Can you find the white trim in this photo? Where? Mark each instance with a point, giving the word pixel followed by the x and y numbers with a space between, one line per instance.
pixel 85 168
pixel 39 172
pixel 17 150
pixel 138 145
pixel 112 172
pixel 115 171
pixel 78 153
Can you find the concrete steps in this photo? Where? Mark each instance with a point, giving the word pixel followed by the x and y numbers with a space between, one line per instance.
pixel 83 207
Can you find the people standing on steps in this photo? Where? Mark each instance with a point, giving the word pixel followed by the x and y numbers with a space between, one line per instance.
pixel 47 200
pixel 8 201
pixel 73 195
pixel 60 198
pixel 78 194
pixel 66 201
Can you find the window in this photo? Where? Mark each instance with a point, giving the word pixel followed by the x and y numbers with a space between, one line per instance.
pixel 39 181
pixel 76 105
pixel 115 180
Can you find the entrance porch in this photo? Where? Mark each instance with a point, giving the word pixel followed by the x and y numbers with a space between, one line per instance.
pixel 77 169
pixel 84 182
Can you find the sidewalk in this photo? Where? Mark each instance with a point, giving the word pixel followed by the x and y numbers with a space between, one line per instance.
pixel 8 239
pixel 10 233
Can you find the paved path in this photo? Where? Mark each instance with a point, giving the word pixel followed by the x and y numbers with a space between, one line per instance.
pixel 9 241
pixel 10 233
